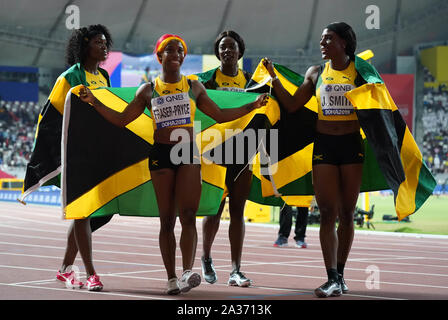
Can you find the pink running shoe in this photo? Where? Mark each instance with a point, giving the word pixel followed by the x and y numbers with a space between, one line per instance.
pixel 70 280
pixel 93 283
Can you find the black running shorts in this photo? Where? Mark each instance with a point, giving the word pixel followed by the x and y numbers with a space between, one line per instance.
pixel 338 149
pixel 163 156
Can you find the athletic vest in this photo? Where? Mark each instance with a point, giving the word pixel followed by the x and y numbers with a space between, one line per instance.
pixel 330 89
pixel 96 80
pixel 172 104
pixel 226 83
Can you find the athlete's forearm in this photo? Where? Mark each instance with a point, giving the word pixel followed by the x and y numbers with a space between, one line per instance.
pixel 109 114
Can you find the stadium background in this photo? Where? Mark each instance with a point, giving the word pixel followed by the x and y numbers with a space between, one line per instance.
pixel 410 49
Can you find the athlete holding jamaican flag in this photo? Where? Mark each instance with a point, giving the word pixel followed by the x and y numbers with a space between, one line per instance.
pixel 351 95
pixel 175 184
pixel 229 47
pixel 86 49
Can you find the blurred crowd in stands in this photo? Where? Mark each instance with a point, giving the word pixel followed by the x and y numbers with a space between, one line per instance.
pixel 435 126
pixel 18 122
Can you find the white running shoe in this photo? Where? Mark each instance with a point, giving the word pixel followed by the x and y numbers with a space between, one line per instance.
pixel 238 279
pixel 173 287
pixel 331 288
pixel 189 281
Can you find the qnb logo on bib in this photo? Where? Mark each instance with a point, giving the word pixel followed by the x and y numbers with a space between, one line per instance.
pixel 171 110
pixel 232 89
pixel 333 101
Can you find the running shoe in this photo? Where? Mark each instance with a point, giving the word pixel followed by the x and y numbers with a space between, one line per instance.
pixel 70 280
pixel 238 279
pixel 189 280
pixel 208 270
pixel 173 287
pixel 344 287
pixel 301 244
pixel 331 288
pixel 281 242
pixel 93 283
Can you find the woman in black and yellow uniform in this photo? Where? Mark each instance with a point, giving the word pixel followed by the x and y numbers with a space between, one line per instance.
pixel 86 49
pixel 229 48
pixel 172 100
pixel 338 153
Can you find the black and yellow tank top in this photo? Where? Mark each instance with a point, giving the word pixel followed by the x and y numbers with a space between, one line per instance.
pixel 172 104
pixel 226 83
pixel 95 80
pixel 330 89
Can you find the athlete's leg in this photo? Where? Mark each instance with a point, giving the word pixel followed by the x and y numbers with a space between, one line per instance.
pixel 351 176
pixel 163 181
pixel 326 180
pixel 188 193
pixel 71 249
pixel 83 236
pixel 238 193
pixel 210 226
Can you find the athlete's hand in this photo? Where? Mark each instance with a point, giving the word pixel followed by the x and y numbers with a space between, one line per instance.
pixel 261 101
pixel 86 95
pixel 269 66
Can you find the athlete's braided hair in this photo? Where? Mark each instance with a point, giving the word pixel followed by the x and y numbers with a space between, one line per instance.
pixel 77 45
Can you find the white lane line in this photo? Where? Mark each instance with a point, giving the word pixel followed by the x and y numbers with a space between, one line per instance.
pixel 133 296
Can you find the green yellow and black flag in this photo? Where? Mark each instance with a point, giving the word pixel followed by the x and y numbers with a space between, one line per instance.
pixel 392 161
pixel 44 166
pixel 105 168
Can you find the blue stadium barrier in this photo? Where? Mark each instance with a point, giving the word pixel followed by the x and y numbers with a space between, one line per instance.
pixel 44 195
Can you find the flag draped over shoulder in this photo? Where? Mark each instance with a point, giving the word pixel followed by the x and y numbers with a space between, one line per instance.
pixel 392 158
pixel 44 166
pixel 290 177
pixel 105 168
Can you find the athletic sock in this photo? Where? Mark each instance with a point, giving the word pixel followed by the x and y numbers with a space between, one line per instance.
pixel 332 274
pixel 341 267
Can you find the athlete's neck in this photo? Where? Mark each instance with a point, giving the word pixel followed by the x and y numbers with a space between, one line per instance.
pixel 91 66
pixel 229 70
pixel 171 77
pixel 340 63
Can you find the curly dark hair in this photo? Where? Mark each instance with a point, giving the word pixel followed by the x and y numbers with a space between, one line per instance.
pixel 76 50
pixel 235 36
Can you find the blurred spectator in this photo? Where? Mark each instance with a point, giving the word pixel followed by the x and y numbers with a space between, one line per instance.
pixel 286 215
pixel 435 126
pixel 17 126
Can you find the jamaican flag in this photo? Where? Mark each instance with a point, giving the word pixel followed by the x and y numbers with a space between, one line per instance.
pixel 392 160
pixel 255 150
pixel 44 166
pixel 105 168
pixel 290 176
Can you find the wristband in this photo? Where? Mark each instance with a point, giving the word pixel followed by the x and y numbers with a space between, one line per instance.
pixel 274 78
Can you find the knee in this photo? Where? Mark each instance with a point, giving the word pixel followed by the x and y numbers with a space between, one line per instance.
pixel 167 224
pixel 236 216
pixel 328 215
pixel 187 217
pixel 346 218
pixel 236 208
pixel 212 220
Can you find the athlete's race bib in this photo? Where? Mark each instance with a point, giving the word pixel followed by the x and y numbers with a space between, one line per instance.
pixel 233 89
pixel 333 101
pixel 171 110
